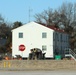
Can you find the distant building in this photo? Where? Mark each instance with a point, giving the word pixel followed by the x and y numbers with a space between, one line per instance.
pixel 33 35
pixel 2 42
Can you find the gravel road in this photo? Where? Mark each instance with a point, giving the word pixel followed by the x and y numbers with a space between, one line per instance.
pixel 37 72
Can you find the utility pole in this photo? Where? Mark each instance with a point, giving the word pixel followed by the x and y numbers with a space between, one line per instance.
pixel 30 10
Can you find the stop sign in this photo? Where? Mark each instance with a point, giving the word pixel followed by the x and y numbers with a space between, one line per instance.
pixel 21 47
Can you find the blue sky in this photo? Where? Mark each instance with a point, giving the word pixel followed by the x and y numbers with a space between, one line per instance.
pixel 18 10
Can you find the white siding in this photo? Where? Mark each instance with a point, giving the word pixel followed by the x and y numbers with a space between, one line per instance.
pixel 32 38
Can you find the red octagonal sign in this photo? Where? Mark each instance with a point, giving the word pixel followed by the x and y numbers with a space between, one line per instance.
pixel 21 47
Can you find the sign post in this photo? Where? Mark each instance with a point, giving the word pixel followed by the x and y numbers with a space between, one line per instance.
pixel 22 48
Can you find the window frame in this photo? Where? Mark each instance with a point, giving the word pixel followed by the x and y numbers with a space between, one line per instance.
pixel 44 48
pixel 20 35
pixel 44 35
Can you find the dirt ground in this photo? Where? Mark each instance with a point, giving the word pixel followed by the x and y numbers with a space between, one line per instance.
pixel 37 72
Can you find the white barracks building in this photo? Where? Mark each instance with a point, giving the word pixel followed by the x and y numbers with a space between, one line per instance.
pixel 33 35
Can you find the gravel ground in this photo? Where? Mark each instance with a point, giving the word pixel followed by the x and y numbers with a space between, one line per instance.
pixel 37 72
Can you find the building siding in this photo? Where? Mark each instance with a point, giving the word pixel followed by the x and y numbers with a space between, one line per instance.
pixel 32 38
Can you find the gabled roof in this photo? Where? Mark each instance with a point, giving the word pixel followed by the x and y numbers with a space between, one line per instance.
pixel 31 24
pixel 53 28
pixel 49 26
pixel 56 29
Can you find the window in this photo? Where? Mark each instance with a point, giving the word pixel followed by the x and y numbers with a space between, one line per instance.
pixel 44 48
pixel 53 36
pixel 67 38
pixel 44 35
pixel 20 35
pixel 61 37
pixel 57 36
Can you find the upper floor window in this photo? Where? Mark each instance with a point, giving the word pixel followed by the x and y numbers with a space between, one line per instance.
pixel 44 35
pixel 56 36
pixel 61 37
pixel 20 35
pixel 53 36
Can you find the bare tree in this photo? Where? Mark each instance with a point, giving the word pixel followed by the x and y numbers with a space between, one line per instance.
pixel 74 19
pixel 66 9
pixel 45 17
pixel 1 19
